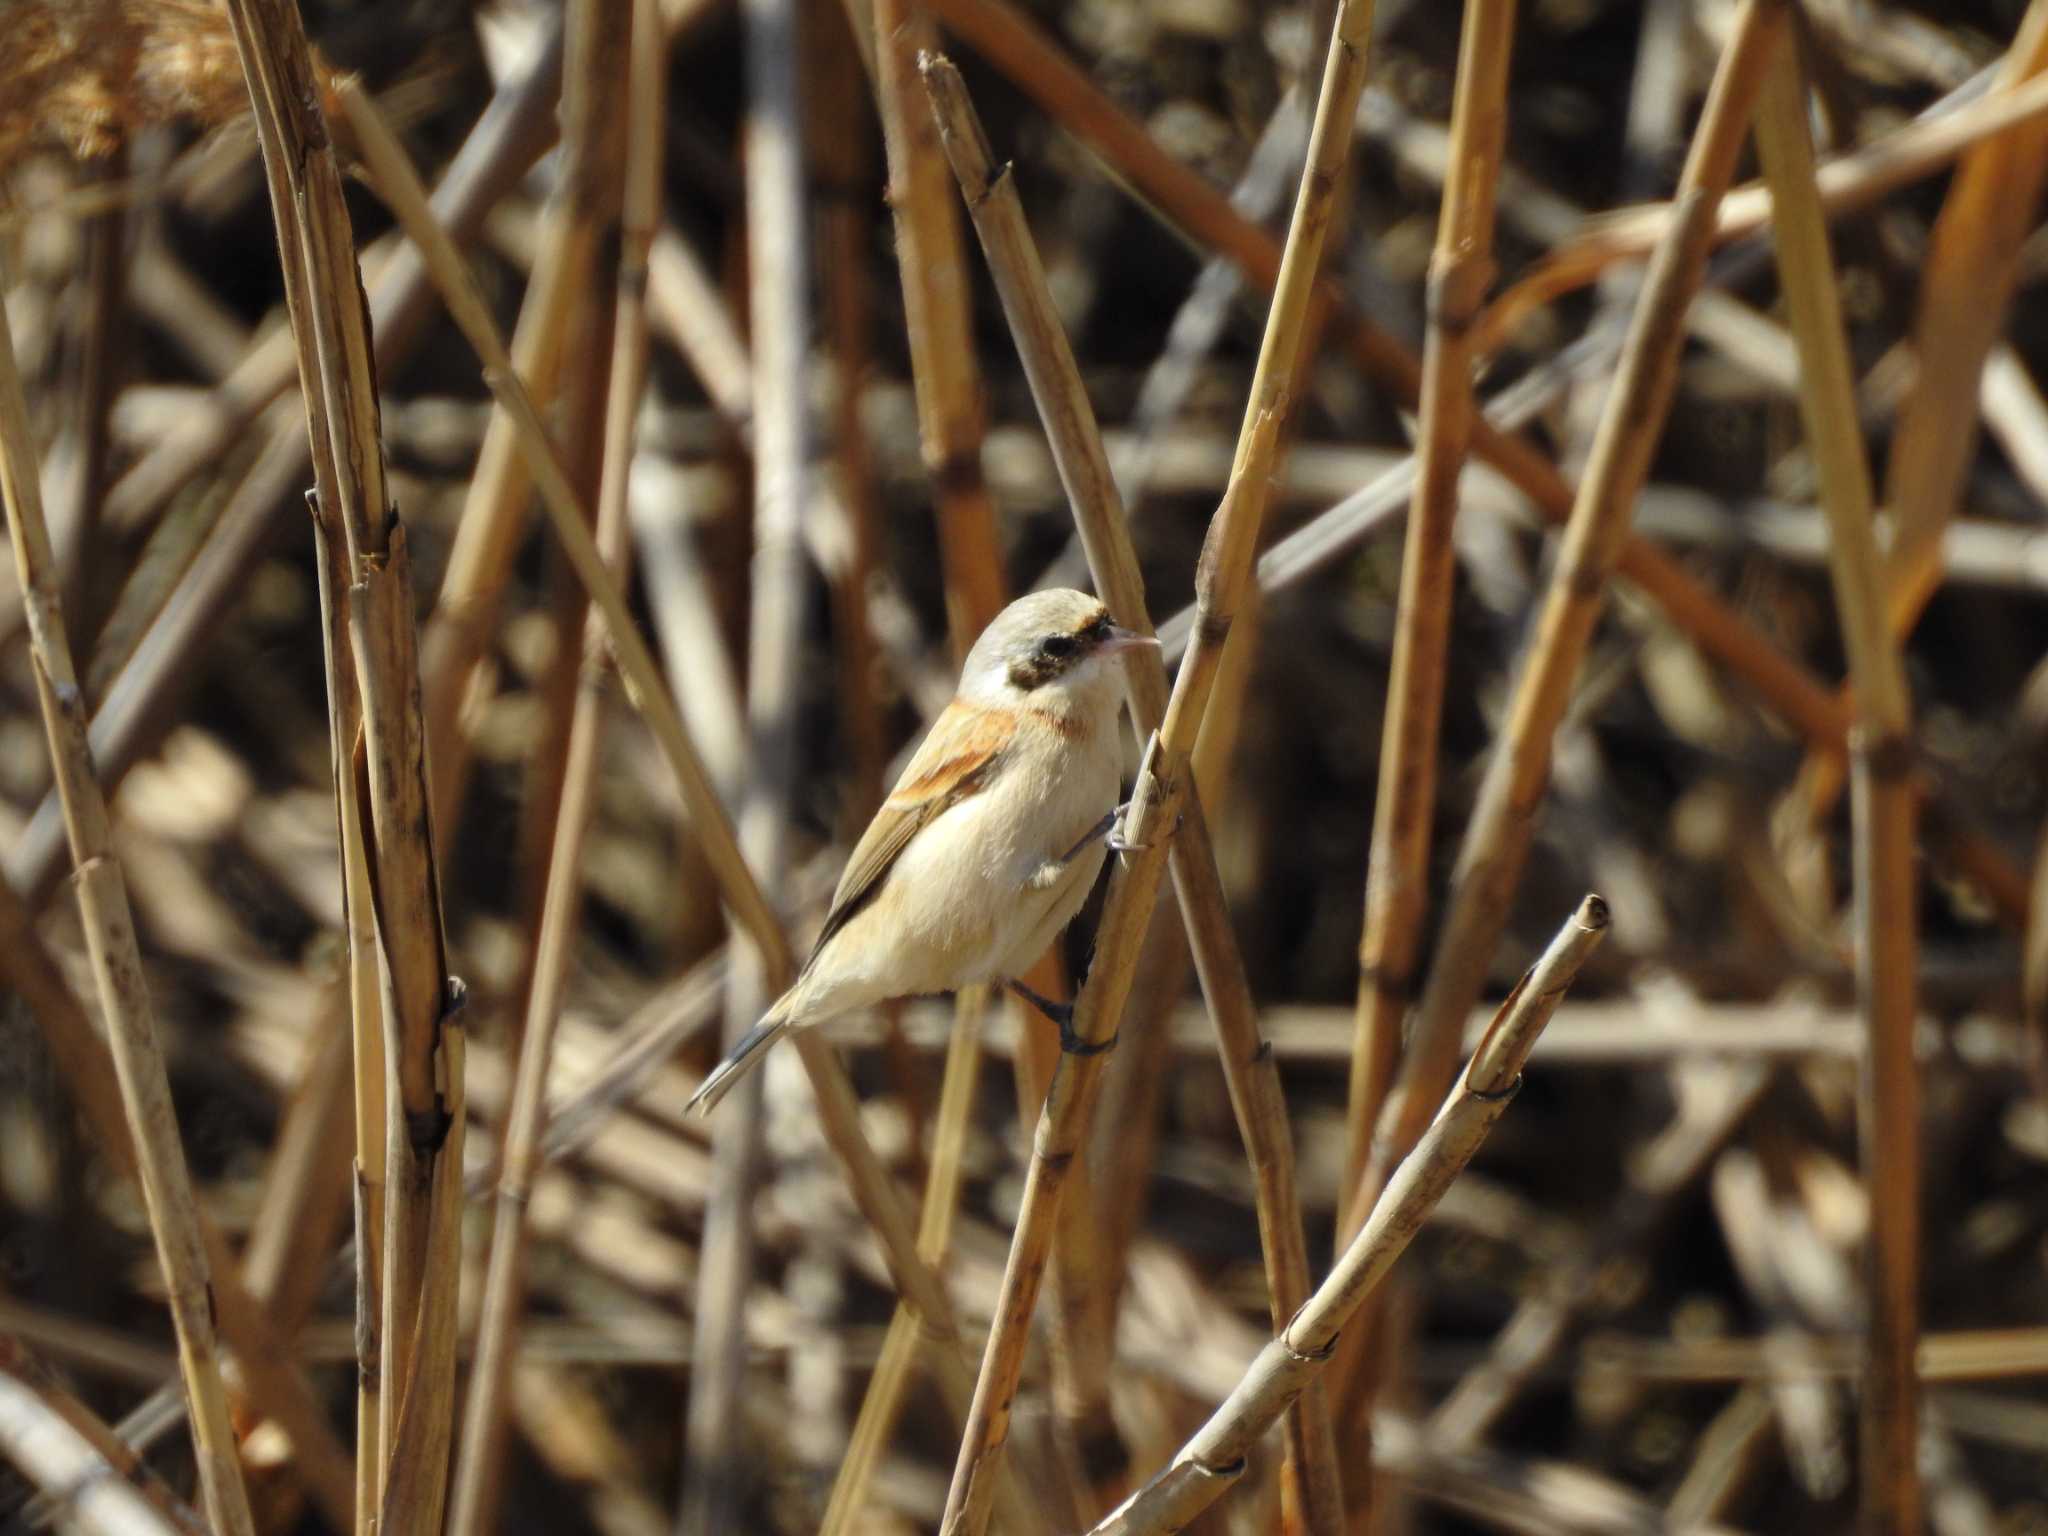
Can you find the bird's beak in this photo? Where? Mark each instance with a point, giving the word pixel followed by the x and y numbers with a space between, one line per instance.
pixel 1121 640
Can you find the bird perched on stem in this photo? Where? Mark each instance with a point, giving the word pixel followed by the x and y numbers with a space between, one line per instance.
pixel 991 839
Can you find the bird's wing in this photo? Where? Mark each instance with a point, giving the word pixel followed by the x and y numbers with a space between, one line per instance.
pixel 950 765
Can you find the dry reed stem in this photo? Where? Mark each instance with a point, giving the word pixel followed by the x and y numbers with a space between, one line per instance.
pixel 1164 778
pixel 479 1468
pixel 779 313
pixel 1021 51
pixel 686 306
pixel 1511 794
pixel 420 1003
pixel 1849 183
pixel 513 131
pixel 117 968
pixel 1886 881
pixel 938 321
pixel 1397 881
pixel 1215 1455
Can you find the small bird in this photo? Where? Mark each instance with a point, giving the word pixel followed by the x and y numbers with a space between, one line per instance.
pixel 991 839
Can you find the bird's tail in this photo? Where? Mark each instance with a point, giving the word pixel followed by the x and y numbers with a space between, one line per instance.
pixel 740 1060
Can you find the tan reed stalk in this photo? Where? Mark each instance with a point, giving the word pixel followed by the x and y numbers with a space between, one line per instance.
pixel 779 316
pixel 685 306
pixel 1215 1456
pixel 117 969
pixel 420 1003
pixel 938 323
pixel 1397 881
pixel 1849 183
pixel 1022 52
pixel 1164 778
pixel 479 1466
pixel 1886 882
pixel 1511 794
pixel 306 1183
pixel 276 1387
pixel 511 133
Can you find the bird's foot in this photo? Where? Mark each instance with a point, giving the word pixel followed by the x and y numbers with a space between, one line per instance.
pixel 1118 843
pixel 1103 828
pixel 1062 1014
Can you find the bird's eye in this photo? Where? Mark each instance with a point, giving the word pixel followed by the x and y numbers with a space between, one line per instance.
pixel 1057 645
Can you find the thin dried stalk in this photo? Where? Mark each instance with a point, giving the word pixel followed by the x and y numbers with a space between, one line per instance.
pixel 117 967
pixel 1503 821
pixel 1215 1456
pixel 1886 884
pixel 1397 883
pixel 478 1473
pixel 420 1003
pixel 1164 779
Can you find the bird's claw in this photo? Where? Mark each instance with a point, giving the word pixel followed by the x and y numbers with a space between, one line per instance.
pixel 1072 1042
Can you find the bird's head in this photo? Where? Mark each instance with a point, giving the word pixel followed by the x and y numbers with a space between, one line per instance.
pixel 1050 650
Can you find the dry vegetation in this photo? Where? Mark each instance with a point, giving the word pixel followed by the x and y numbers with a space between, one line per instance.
pixel 1522 423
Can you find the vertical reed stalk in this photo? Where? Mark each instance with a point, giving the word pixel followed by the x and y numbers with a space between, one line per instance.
pixel 1883 813
pixel 1397 881
pixel 1216 1455
pixel 420 1002
pixel 1503 821
pixel 117 968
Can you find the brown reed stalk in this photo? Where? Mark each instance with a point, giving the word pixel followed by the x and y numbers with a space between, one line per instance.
pixel 1022 52
pixel 1849 183
pixel 1215 1456
pixel 117 968
pixel 1164 777
pixel 1397 881
pixel 779 316
pixel 1886 883
pixel 479 1467
pixel 1511 794
pixel 420 1003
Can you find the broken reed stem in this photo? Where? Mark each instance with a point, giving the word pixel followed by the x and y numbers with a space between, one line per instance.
pixel 1016 46
pixel 1397 880
pixel 423 1037
pixel 479 1469
pixel 1215 1455
pixel 1163 779
pixel 1511 794
pixel 779 314
pixel 117 969
pixel 1883 805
